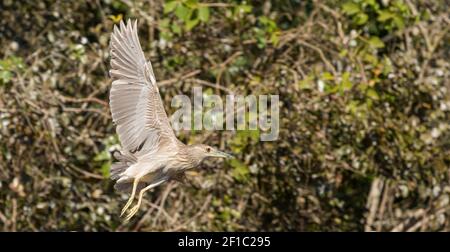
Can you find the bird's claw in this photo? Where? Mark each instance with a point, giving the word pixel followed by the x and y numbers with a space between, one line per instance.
pixel 123 210
pixel 132 212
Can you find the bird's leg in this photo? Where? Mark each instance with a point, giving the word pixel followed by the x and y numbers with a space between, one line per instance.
pixel 130 200
pixel 134 210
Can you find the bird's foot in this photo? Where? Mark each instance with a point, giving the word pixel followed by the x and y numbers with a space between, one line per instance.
pixel 132 212
pixel 130 200
pixel 124 209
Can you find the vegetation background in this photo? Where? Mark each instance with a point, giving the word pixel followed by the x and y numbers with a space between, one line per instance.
pixel 364 89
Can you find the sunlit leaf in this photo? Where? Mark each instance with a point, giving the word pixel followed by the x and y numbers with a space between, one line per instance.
pixel 350 8
pixel 371 93
pixel 116 18
pixel 192 4
pixel 176 28
pixel 376 42
pixel 183 12
pixel 383 16
pixel 105 169
pixel 203 14
pixel 346 84
pixel 170 6
pixel 361 18
pixel 191 24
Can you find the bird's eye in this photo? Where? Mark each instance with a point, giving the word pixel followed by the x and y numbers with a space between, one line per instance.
pixel 208 149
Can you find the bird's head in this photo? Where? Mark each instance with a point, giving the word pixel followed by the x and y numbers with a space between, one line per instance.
pixel 202 151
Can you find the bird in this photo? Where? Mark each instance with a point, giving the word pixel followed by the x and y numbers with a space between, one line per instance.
pixel 150 154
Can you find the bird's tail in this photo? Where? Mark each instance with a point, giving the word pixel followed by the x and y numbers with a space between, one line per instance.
pixel 118 168
pixel 125 161
pixel 127 186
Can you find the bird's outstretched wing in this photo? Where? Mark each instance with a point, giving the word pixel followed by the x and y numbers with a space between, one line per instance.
pixel 136 106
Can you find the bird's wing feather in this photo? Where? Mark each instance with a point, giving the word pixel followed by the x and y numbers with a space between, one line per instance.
pixel 136 105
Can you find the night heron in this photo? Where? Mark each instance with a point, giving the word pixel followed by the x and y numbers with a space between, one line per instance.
pixel 151 153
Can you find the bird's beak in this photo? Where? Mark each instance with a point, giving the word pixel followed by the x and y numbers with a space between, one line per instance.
pixel 220 154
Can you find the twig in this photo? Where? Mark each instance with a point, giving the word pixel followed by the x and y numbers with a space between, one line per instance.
pixel 425 220
pixel 209 84
pixel 220 5
pixel 4 220
pixel 321 54
pixel 181 78
pixel 208 199
pixel 82 110
pixel 384 200
pixel 81 100
pixel 86 173
pixel 372 202
pixel 222 67
pixel 14 214
pixel 327 9
pixel 163 201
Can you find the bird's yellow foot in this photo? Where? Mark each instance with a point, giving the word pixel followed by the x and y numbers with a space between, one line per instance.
pixel 132 212
pixel 124 209
pixel 130 200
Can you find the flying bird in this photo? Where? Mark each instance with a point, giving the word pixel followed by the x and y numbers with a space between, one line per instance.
pixel 151 154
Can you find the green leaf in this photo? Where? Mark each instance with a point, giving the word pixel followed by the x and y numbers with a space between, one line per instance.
pixel 5 76
pixel 331 89
pixel 376 42
pixel 387 66
pixel 383 16
pixel 327 76
pixel 170 6
pixel 191 3
pixel 346 83
pixel 164 23
pixel 372 3
pixel 350 8
pixel 370 58
pixel 361 18
pixel 362 86
pixel 176 28
pixel 240 170
pixel 191 24
pixel 304 85
pixel 105 169
pixel 183 13
pixel 243 9
pixel 343 53
pixel 269 24
pixel 203 14
pixel 352 107
pixel 398 21
pixel 102 156
pixel 275 38
pixel 372 94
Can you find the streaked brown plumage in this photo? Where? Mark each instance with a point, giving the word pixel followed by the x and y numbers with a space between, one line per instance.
pixel 151 154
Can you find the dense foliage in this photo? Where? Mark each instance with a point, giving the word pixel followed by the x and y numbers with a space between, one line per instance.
pixel 364 119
